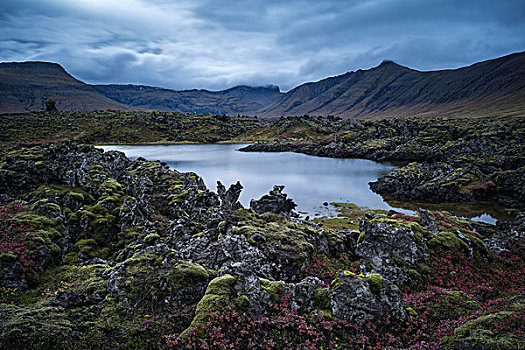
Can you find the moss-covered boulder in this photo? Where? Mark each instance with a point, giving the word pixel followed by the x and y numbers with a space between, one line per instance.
pixel 158 281
pixel 390 246
pixel 361 299
pixel 501 330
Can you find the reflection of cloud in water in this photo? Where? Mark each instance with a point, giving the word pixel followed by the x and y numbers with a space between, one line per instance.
pixel 309 180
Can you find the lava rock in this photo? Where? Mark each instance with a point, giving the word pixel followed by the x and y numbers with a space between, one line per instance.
pixel 275 202
pixel 362 299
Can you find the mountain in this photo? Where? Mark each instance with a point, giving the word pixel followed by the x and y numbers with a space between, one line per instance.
pixel 237 100
pixel 26 86
pixel 493 87
pixel 490 87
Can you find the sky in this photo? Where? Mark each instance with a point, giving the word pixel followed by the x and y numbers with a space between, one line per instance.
pixel 217 44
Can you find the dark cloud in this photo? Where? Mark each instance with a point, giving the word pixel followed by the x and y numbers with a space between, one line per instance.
pixel 215 44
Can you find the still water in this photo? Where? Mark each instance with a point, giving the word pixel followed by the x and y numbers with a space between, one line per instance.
pixel 308 180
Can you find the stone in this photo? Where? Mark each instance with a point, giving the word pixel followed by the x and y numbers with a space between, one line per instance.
pixel 390 249
pixel 275 202
pixel 362 299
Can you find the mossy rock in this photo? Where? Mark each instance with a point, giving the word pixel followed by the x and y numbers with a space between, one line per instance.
pixel 47 191
pixel 218 297
pixel 9 256
pixel 177 198
pixel 71 258
pixel 447 240
pixel 33 220
pixel 86 246
pixel 487 332
pixel 95 285
pixel 375 282
pixel 149 283
pixel 274 288
pixel 35 328
pixel 151 239
pixel 321 298
pixel 290 237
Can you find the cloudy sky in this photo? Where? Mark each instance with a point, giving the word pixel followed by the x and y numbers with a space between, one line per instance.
pixel 216 44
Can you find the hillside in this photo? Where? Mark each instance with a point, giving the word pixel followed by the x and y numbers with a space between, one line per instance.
pixel 26 86
pixel 489 88
pixel 237 100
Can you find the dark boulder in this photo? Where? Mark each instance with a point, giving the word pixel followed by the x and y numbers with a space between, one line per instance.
pixel 275 202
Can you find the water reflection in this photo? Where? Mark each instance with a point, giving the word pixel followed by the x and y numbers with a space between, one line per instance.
pixel 479 211
pixel 309 180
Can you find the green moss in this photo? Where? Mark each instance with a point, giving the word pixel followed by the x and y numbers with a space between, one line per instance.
pixel 47 191
pixel 216 298
pixel 411 311
pixel 95 285
pixel 86 246
pixel 241 303
pixel 187 273
pixel 286 236
pixel 348 215
pixel 35 328
pixel 321 298
pixel 447 240
pixel 33 220
pixel 9 256
pixel 112 185
pixel 151 239
pixel 275 288
pixel 375 282
pixel 336 282
pixel 415 276
pixel 453 305
pixel 247 231
pixel 361 237
pixel 55 249
pixel 102 253
pixel 177 198
pixel 483 333
pixel 479 247
pixel 71 258
pixel 31 157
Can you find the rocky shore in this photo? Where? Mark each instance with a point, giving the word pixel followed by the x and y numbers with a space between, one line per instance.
pixel 99 251
pixel 449 160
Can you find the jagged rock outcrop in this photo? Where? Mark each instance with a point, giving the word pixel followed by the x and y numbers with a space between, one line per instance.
pixel 275 202
pixel 276 251
pixel 229 198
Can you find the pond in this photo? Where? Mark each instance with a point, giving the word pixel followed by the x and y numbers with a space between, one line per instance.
pixel 309 181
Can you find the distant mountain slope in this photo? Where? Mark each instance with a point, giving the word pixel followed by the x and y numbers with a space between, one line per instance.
pixel 26 86
pixel 494 87
pixel 237 100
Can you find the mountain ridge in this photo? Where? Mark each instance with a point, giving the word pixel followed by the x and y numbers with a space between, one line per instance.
pixel 495 86
pixel 25 86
